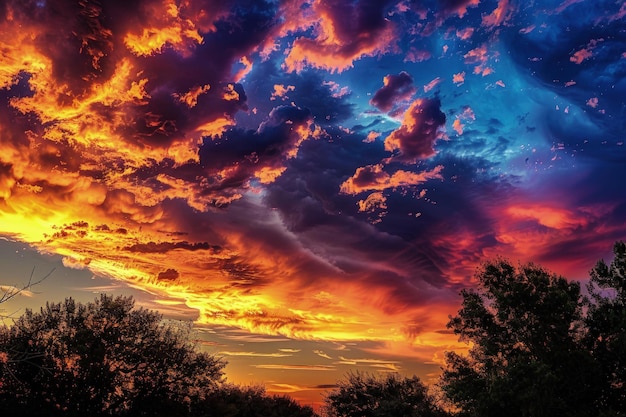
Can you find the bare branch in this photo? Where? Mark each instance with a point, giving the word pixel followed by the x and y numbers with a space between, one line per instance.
pixel 9 292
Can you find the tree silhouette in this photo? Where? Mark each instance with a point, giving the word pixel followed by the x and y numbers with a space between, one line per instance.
pixel 364 395
pixel 606 323
pixel 526 359
pixel 236 401
pixel 101 358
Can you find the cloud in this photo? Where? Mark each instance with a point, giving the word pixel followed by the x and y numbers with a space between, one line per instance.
pixel 395 89
pixel 372 178
pixel 10 289
pixel 169 274
pixel 297 367
pixel 336 45
pixel 321 354
pixel 459 78
pixel 374 201
pixel 420 129
pixel 147 148
pixel 501 15
pixel 254 354
pixel 280 91
pixel 593 102
pixel 458 7
pixel 479 57
pixel 417 55
pixel 432 84
pixel 583 54
pixel 292 388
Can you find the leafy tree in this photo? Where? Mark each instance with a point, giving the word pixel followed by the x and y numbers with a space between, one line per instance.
pixel 526 357
pixel 364 395
pixel 606 323
pixel 236 401
pixel 102 358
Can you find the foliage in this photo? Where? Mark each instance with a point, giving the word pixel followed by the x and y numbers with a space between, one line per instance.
pixel 606 323
pixel 526 357
pixel 236 401
pixel 364 395
pixel 102 358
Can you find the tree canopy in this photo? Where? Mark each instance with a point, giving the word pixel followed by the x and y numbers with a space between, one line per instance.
pixel 538 346
pixel 606 324
pixel 365 395
pixel 102 358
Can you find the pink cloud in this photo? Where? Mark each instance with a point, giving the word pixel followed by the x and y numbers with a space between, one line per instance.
pixel 583 54
pixel 458 78
pixel 499 16
pixel 432 84
pixel 417 55
pixel 465 34
pixel 479 57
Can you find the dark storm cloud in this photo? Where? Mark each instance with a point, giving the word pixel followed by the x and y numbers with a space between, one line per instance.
pixel 164 247
pixel 328 103
pixel 241 154
pixel 306 197
pixel 448 7
pixel 169 274
pixel 396 88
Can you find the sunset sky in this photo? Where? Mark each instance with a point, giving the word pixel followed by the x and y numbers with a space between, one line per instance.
pixel 312 182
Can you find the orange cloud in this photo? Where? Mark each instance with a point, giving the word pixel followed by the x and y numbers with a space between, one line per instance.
pixel 458 78
pixel 280 91
pixel 373 202
pixel 190 98
pixel 419 131
pixel 479 57
pixel 551 217
pixel 373 178
pixel 583 54
pixel 170 29
pixel 336 45
pixel 458 126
